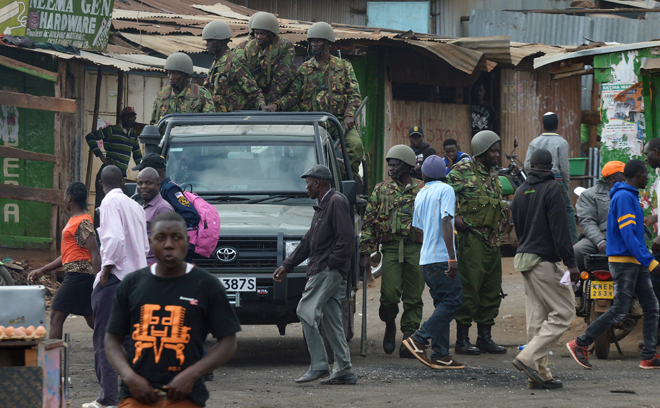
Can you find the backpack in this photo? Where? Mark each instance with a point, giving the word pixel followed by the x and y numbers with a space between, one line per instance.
pixel 205 236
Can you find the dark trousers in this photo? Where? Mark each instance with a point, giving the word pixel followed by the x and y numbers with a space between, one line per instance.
pixel 102 298
pixel 629 279
pixel 447 294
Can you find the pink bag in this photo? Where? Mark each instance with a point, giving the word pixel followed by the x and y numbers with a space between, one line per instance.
pixel 205 236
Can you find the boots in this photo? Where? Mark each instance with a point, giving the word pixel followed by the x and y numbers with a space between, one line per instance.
pixel 389 340
pixel 463 345
pixel 486 343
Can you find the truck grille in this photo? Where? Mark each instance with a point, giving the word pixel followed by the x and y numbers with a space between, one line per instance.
pixel 250 253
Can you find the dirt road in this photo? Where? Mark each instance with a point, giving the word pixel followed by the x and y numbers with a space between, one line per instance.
pixel 262 372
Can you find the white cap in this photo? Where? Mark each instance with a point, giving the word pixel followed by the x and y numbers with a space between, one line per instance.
pixel 549 113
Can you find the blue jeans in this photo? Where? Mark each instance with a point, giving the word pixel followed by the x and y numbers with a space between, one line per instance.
pixel 447 294
pixel 629 279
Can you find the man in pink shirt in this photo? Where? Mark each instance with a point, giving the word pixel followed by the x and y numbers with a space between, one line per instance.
pixel 148 187
pixel 124 248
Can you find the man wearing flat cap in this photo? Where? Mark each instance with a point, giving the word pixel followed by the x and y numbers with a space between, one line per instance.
pixel 434 215
pixel 328 246
pixel 592 208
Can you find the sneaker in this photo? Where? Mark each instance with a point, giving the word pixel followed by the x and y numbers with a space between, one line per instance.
pixel 418 351
pixel 446 362
pixel 650 363
pixel 96 404
pixel 579 354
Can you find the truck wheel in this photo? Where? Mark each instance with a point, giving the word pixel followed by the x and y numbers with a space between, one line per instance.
pixel 5 277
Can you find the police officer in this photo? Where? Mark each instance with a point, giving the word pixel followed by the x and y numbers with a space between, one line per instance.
pixel 326 84
pixel 172 193
pixel 228 80
pixel 181 95
pixel 480 208
pixel 388 222
pixel 269 57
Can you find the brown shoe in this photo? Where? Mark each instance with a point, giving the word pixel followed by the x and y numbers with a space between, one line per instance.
pixel 418 351
pixel 446 362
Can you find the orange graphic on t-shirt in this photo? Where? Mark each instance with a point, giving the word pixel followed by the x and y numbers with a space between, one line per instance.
pixel 160 332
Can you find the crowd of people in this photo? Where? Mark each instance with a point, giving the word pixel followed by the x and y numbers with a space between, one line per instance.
pixel 435 221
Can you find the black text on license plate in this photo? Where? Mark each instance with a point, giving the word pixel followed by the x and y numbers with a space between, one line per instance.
pixel 239 284
pixel 602 290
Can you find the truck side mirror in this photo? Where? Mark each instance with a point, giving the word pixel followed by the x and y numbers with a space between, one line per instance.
pixel 349 190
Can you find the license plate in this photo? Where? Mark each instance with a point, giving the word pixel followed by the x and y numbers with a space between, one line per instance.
pixel 602 290
pixel 239 284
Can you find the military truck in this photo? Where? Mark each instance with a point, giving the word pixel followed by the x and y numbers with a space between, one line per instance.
pixel 249 166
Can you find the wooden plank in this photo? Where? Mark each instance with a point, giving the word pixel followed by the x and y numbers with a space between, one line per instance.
pixel 30 358
pixel 28 69
pixel 591 117
pixel 579 72
pixel 97 102
pixel 41 195
pixel 27 155
pixel 28 101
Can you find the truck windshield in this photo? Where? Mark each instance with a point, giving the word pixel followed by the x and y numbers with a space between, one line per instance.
pixel 235 167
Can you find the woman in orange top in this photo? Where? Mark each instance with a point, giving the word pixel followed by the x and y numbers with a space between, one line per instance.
pixel 81 261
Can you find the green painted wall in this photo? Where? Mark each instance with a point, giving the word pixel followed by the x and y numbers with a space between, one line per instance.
pixel 26 224
pixel 370 73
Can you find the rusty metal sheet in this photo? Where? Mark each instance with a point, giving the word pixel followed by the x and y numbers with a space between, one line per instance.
pixel 525 96
pixel 438 121
pixel 461 58
pixel 168 44
pixel 178 6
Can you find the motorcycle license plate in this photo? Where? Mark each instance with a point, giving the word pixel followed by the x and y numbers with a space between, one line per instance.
pixel 602 290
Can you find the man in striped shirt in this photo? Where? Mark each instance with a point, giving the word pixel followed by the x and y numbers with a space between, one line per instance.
pixel 119 142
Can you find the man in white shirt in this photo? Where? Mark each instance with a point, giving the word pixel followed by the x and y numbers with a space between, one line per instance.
pixel 124 248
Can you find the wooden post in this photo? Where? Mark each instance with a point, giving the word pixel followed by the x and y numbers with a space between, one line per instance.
pixel 593 129
pixel 60 89
pixel 97 102
pixel 120 94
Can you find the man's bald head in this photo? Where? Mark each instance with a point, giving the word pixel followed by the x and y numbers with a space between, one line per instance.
pixel 148 184
pixel 541 160
pixel 149 173
pixel 111 178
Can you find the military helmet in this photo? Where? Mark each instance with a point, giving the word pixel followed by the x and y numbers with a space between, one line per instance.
pixel 402 152
pixel 251 20
pixel 216 30
pixel 267 22
pixel 321 30
pixel 179 61
pixel 482 141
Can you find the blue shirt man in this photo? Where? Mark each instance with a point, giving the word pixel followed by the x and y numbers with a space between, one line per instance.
pixel 452 155
pixel 434 214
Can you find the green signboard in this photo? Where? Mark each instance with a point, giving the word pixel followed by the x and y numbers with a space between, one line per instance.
pixel 84 24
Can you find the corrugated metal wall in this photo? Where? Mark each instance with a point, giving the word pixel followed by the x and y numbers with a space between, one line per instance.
pixel 526 96
pixel 334 11
pixel 553 29
pixel 438 121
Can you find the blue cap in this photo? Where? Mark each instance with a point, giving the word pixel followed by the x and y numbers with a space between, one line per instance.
pixel 434 167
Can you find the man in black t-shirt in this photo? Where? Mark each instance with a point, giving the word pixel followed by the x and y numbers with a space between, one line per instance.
pixel 167 310
pixel 483 112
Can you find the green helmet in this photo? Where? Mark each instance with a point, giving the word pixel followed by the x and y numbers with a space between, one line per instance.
pixel 179 61
pixel 402 152
pixel 321 30
pixel 266 21
pixel 482 141
pixel 216 30
pixel 251 20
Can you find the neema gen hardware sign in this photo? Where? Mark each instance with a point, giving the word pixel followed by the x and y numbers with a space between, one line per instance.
pixel 85 24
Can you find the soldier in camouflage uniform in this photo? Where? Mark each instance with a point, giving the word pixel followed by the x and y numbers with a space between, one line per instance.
pixel 327 84
pixel 388 221
pixel 269 57
pixel 181 95
pixel 228 80
pixel 480 208
pixel 241 46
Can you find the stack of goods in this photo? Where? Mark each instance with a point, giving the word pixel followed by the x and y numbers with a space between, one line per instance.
pixel 22 333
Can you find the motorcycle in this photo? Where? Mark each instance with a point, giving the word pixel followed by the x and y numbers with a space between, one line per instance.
pixel 596 298
pixel 511 177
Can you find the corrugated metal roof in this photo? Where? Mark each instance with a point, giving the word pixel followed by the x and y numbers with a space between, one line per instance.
pixel 167 44
pixel 551 29
pixel 547 60
pixel 621 30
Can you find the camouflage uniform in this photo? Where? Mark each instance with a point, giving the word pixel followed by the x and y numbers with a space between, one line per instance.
pixel 388 221
pixel 479 259
pixel 272 68
pixel 192 99
pixel 232 87
pixel 329 88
